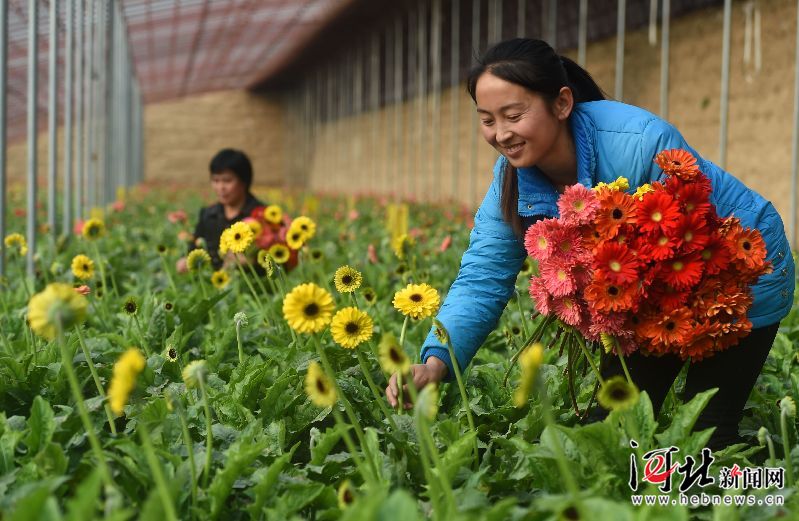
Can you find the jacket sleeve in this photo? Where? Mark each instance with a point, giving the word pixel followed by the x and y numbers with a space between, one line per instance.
pixel 658 136
pixel 484 283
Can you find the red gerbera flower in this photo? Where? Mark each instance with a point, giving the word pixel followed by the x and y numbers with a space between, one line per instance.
pixel 666 297
pixel 656 247
pixel 694 198
pixel 678 162
pixel 617 208
pixel 658 212
pixel 616 262
pixel 716 255
pixel 692 232
pixel 606 297
pixel 682 272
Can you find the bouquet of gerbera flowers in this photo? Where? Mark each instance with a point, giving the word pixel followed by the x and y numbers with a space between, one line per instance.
pixel 657 271
pixel 275 233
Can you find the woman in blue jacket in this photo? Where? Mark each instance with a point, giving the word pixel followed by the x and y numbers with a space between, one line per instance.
pixel 553 127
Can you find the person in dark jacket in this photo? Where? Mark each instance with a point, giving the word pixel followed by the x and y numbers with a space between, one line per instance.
pixel 231 179
pixel 553 127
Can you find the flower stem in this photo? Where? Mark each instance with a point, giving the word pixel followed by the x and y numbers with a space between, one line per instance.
pixel 158 475
pixel 141 335
pixel 96 378
pixel 373 387
pixel 588 357
pixel 356 424
pixel 786 446
pixel 252 289
pixel 184 427
pixel 465 400
pixel 402 333
pixel 521 313
pixel 623 364
pixel 238 341
pixel 66 362
pixel 427 439
pixel 169 275
pixel 209 440
pixel 102 268
pixel 367 476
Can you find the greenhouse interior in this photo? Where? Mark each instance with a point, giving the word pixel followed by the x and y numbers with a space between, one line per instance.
pixel 399 259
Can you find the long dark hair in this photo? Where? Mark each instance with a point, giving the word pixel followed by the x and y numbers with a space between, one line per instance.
pixel 534 65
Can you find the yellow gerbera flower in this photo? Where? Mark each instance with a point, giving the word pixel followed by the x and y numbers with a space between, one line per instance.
pixel 306 225
pixel 427 406
pixel 82 267
pixel 255 226
pixel 417 300
pixel 126 371
pixel 643 189
pixel 307 308
pixel 392 358
pixel 350 327
pixel 237 238
pixel 346 494
pixel 369 295
pixel 280 253
pixel 617 394
pixel 620 184
pixel 18 242
pixel 266 262
pixel 57 303
pixel 319 387
pixel 220 279
pixel 93 229
pixel 295 238
pixel 400 245
pixel 530 360
pixel 273 214
pixel 347 279
pixel 194 373
pixel 197 259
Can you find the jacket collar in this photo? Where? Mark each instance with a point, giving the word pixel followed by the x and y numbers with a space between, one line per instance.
pixel 218 211
pixel 537 196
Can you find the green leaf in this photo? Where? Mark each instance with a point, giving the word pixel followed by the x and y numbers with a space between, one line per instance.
pixel 83 505
pixel 457 455
pixel 376 507
pixel 41 425
pixel 684 420
pixel 264 488
pixel 196 315
pixel 322 444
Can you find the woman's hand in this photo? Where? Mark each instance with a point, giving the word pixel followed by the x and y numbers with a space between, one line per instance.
pixel 431 372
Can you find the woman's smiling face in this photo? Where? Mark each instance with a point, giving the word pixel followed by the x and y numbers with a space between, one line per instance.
pixel 517 122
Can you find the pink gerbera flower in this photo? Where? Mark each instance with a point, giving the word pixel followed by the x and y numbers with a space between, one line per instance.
pixel 538 239
pixel 578 205
pixel 567 246
pixel 568 309
pixel 540 295
pixel 557 278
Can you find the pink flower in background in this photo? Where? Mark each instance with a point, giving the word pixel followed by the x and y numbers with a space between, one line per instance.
pixel 445 244
pixel 20 212
pixel 416 233
pixel 83 290
pixel 185 236
pixel 371 254
pixel 77 228
pixel 118 206
pixel 353 214
pixel 178 216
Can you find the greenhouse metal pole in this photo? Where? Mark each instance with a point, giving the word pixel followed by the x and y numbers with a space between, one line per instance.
pixel 521 19
pixel 422 155
pixel 3 122
pixel 413 29
pixel 69 59
pixel 795 158
pixel 89 117
pixel 551 19
pixel 454 84
pixel 33 108
pixel 664 59
pixel 582 32
pixel 476 125
pixel 374 85
pixel 52 118
pixel 725 84
pixel 104 128
pixel 399 87
pixel 356 103
pixel 80 22
pixel 434 172
pixel 621 19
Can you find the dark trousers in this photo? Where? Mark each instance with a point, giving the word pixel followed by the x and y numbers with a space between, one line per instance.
pixel 734 371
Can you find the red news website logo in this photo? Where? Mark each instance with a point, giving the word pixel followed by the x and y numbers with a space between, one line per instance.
pixel 660 467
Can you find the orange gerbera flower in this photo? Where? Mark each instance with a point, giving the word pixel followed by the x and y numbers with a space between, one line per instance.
pixel 617 208
pixel 748 247
pixel 606 297
pixel 701 344
pixel 669 329
pixel 730 305
pixel 678 162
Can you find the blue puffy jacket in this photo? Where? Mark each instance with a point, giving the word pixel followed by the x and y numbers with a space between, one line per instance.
pixel 611 139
